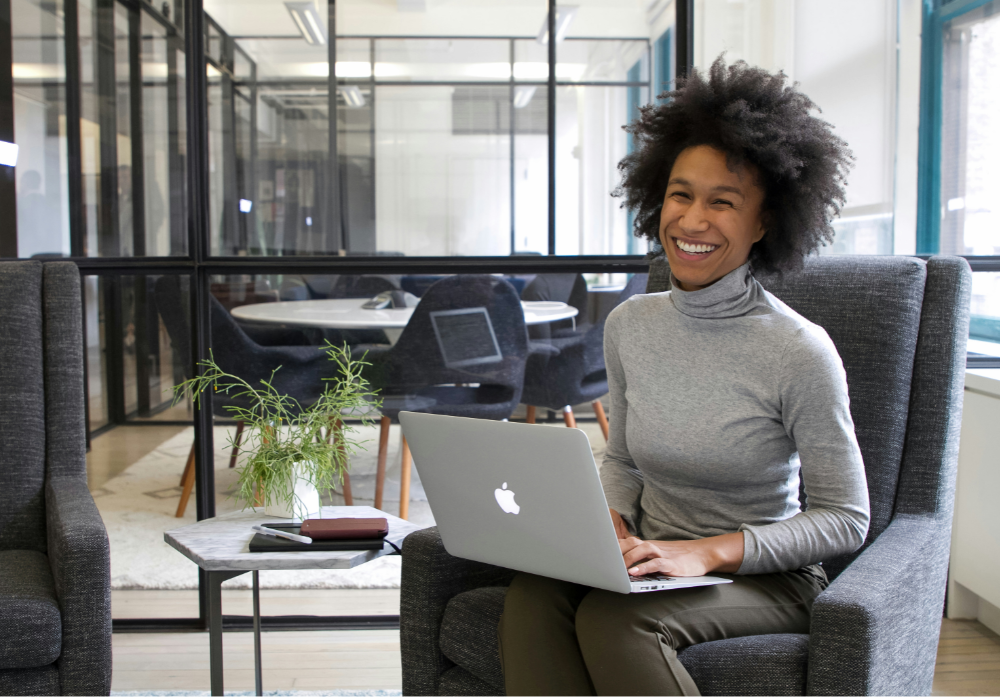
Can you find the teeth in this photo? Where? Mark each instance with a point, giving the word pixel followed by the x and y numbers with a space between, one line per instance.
pixel 695 248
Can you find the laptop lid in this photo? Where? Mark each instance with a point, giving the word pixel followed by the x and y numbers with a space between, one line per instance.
pixel 521 496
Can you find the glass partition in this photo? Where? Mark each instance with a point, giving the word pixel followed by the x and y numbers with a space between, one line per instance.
pixel 39 73
pixel 848 70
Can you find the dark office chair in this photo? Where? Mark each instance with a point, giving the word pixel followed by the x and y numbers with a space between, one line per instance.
pixel 301 376
pixel 569 288
pixel 461 354
pixel 573 372
pixel 55 563
pixel 900 325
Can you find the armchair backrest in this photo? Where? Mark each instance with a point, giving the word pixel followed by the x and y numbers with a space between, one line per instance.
pixel 42 426
pixel 417 361
pixel 900 325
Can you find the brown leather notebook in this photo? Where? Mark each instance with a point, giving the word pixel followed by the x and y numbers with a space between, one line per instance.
pixel 345 528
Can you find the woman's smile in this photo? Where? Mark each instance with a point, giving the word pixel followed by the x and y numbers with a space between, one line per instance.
pixel 694 250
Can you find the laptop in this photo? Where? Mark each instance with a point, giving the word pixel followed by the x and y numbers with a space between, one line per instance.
pixel 524 497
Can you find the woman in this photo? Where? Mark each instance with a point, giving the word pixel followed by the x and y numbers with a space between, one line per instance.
pixel 721 398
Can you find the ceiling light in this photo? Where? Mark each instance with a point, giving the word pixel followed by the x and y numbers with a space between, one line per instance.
pixel 522 96
pixel 352 96
pixel 245 205
pixel 564 15
pixel 306 18
pixel 8 153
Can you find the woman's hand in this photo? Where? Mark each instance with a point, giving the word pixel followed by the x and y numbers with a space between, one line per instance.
pixel 683 557
pixel 621 529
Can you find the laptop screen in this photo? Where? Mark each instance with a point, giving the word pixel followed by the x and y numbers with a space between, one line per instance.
pixel 465 337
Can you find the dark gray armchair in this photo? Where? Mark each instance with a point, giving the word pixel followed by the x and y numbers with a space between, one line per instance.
pixel 901 327
pixel 55 573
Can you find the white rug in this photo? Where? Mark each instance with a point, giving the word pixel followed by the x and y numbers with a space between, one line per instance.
pixel 139 505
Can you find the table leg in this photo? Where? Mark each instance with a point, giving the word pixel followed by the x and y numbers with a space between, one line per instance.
pixel 215 579
pixel 258 682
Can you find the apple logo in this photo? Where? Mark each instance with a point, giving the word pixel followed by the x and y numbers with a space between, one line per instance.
pixel 505 497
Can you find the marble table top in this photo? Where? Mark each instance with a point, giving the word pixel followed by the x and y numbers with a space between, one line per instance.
pixel 222 543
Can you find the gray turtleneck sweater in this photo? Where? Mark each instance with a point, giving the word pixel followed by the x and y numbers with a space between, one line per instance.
pixel 721 399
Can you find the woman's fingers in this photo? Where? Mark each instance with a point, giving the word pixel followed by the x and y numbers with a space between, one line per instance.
pixel 640 552
pixel 650 566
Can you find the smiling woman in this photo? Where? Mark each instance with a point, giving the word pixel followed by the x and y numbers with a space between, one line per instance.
pixel 723 399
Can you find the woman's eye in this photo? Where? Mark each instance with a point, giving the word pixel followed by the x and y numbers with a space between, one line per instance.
pixel 680 194
pixel 723 202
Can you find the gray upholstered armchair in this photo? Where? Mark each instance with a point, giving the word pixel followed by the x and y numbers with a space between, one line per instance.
pixel 55 577
pixel 901 326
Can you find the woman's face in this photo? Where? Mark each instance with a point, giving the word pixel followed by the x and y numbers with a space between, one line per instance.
pixel 711 217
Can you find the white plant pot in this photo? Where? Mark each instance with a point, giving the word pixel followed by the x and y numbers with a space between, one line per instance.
pixel 305 501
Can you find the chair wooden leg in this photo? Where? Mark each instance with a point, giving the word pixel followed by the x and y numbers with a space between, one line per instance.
pixel 335 427
pixel 187 481
pixel 188 466
pixel 383 447
pixel 404 482
pixel 602 418
pixel 531 414
pixel 348 495
pixel 568 416
pixel 236 444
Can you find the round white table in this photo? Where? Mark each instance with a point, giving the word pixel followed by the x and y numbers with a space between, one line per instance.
pixel 348 314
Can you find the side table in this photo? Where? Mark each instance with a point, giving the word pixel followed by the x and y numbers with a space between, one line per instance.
pixel 220 546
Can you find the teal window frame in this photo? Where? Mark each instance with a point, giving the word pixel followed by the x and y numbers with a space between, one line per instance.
pixel 935 14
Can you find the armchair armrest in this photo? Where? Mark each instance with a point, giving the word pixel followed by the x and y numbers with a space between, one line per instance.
pixel 80 559
pixel 875 630
pixel 431 577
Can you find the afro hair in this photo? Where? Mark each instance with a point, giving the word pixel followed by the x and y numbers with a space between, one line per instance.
pixel 754 118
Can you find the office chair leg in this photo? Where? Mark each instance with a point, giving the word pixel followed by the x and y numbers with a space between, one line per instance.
pixel 601 417
pixel 531 414
pixel 383 447
pixel 568 416
pixel 188 466
pixel 187 481
pixel 236 444
pixel 404 482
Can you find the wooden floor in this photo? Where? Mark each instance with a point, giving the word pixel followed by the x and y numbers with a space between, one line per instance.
pixel 968 657
pixel 968 661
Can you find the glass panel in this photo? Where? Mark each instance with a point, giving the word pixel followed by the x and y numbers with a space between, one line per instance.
pixel 134 473
pixel 589 145
pixel 443 170
pixel 859 101
pixel 583 60
pixel 970 143
pixel 984 325
pixel 447 60
pixel 90 124
pixel 128 243
pixel 164 139
pixel 40 128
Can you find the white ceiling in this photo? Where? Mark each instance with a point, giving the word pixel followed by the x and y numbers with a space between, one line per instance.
pixel 604 18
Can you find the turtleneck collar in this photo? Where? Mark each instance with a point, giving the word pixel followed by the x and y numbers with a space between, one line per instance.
pixel 733 295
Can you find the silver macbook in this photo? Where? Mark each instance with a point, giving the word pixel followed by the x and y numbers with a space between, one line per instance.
pixel 525 497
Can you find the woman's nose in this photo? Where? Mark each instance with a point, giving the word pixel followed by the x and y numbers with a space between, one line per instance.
pixel 693 219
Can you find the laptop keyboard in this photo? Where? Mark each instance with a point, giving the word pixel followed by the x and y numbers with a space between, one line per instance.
pixel 652 577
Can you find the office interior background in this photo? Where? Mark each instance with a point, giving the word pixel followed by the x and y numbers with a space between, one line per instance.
pixel 262 150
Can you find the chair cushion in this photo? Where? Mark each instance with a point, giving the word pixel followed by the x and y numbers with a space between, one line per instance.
pixel 469 634
pixel 30 622
pixel 30 681
pixel 771 664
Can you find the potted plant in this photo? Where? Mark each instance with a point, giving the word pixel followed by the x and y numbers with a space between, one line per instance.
pixel 289 451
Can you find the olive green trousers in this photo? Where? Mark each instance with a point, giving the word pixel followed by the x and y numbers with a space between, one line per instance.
pixel 559 638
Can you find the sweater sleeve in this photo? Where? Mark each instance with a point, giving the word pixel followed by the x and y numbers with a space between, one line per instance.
pixel 815 410
pixel 621 479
